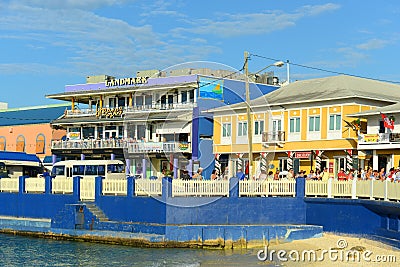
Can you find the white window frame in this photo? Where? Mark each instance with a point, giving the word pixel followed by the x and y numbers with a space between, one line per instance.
pixel 226 130
pixel 242 128
pixel 259 127
pixel 336 133
pixel 294 135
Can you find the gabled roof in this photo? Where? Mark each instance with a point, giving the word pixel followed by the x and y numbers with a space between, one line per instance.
pixel 395 108
pixel 329 88
pixel 31 115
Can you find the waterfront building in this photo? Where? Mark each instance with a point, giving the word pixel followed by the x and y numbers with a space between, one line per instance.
pixel 153 121
pixel 28 129
pixel 305 125
pixel 378 146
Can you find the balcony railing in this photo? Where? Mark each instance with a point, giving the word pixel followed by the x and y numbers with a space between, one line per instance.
pixel 87 144
pixel 273 137
pixel 379 138
pixel 145 147
pixel 132 147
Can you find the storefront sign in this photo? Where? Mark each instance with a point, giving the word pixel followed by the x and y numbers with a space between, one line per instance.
pixel 183 146
pixel 126 81
pixel 395 137
pixel 74 135
pixel 109 112
pixel 303 155
pixel 371 138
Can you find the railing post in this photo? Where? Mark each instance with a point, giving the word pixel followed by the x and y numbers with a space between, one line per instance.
pixel 300 187
pixel 144 168
pixel 130 186
pixel 47 184
pixel 76 187
pixel 386 190
pixel 175 168
pixel 330 180
pixel 98 187
pixel 371 193
pixel 354 188
pixel 166 188
pixel 21 185
pixel 234 187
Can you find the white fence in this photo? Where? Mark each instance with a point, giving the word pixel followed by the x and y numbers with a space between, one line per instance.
pixel 87 188
pixel 145 187
pixel 9 185
pixel 62 186
pixel 34 185
pixel 371 189
pixel 267 188
pixel 114 187
pixel 203 188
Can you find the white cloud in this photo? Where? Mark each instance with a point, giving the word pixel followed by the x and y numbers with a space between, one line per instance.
pixel 373 44
pixel 69 4
pixel 230 25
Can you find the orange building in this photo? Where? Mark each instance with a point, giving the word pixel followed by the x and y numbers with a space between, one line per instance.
pixel 28 129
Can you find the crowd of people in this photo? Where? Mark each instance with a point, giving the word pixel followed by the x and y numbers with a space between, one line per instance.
pixel 392 175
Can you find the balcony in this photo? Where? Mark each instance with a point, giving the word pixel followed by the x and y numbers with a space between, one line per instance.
pixel 379 141
pixel 275 137
pixel 132 147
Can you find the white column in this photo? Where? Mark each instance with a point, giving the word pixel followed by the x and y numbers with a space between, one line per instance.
pixel 374 160
pixel 195 96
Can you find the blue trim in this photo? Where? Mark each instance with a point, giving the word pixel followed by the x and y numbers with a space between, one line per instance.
pixel 21 156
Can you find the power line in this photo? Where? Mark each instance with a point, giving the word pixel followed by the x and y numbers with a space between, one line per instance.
pixel 329 71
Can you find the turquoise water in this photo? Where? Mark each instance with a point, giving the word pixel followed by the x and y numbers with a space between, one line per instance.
pixel 28 251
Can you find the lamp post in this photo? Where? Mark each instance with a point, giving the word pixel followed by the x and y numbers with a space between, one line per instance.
pixel 248 111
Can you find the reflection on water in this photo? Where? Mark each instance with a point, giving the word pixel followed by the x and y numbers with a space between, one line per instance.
pixel 27 251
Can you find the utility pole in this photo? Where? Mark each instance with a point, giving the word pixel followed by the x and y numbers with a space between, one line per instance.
pixel 249 119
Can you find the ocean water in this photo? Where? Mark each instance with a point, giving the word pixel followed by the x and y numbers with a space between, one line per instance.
pixel 30 251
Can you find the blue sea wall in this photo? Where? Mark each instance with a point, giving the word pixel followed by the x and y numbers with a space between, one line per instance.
pixel 165 215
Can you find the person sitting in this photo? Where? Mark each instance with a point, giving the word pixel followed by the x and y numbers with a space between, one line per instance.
pixel 263 176
pixel 185 175
pixel 276 176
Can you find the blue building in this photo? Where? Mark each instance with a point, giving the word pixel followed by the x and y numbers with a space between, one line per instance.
pixel 155 123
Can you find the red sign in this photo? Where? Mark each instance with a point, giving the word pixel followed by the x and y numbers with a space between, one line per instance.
pixel 303 155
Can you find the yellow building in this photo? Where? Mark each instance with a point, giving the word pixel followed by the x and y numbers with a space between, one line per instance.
pixel 304 125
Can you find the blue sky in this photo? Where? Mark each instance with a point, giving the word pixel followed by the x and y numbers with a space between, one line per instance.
pixel 47 44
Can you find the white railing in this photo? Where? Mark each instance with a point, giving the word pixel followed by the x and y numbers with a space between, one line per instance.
pixel 87 188
pixel 341 188
pixel 9 184
pixel 114 187
pixel 204 188
pixel 372 189
pixel 316 188
pixel 267 188
pixel 35 185
pixel 145 187
pixel 62 186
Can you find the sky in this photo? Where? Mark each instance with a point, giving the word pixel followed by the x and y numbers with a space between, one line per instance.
pixel 47 44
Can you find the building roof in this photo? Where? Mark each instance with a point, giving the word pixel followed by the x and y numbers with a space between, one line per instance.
pixel 395 108
pixel 18 156
pixel 329 88
pixel 31 115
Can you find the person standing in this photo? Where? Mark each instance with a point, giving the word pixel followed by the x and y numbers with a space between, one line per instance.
pixel 325 175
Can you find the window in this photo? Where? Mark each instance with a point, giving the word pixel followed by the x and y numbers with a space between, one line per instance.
pixel 184 96
pixel 40 144
pixel 121 101
pixel 20 143
pixel 335 121
pixel 242 129
pixel 314 124
pixel 88 132
pixel 226 130
pixel 294 125
pixel 258 127
pixel 148 100
pixel 111 102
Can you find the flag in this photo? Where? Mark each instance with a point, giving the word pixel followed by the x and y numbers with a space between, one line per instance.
pixel 387 122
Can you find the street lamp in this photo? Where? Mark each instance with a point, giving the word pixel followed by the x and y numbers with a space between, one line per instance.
pixel 249 119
